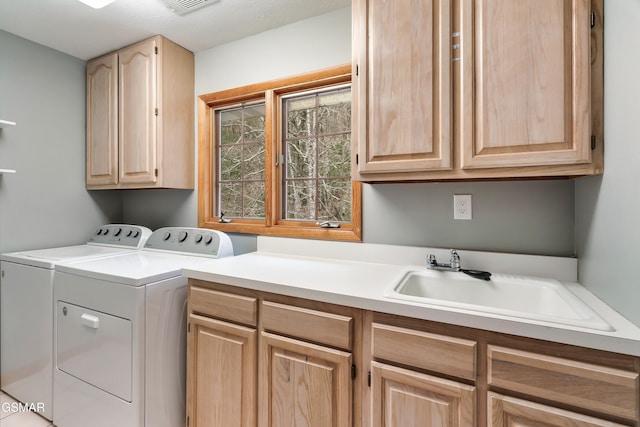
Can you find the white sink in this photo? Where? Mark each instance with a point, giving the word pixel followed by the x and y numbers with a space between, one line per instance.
pixel 523 297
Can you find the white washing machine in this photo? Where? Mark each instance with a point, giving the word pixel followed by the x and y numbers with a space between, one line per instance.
pixel 120 332
pixel 26 309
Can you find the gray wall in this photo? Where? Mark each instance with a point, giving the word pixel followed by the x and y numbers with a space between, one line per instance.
pixel 45 203
pixel 524 217
pixel 608 206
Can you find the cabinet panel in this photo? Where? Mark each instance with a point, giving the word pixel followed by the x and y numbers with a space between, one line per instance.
pixel 565 381
pixel 317 326
pixel 223 305
pixel 447 355
pixel 405 398
pixel 525 83
pixel 511 412
pixel 303 385
pixel 102 120
pixel 221 374
pixel 403 85
pixel 137 100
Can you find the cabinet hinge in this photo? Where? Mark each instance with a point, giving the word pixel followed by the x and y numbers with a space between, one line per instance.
pixel 353 372
pixel 188 420
pixel 369 378
pixel 592 19
pixel 156 111
pixel 156 49
pixel 357 70
pixel 593 142
pixel 357 159
pixel 188 324
pixel 156 172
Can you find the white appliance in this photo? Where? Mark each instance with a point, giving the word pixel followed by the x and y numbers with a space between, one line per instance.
pixel 26 309
pixel 120 332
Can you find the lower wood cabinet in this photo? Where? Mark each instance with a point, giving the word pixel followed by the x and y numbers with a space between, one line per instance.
pixel 511 412
pixel 222 381
pixel 256 359
pixel 303 384
pixel 402 397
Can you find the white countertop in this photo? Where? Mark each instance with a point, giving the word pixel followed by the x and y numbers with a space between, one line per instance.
pixel 359 275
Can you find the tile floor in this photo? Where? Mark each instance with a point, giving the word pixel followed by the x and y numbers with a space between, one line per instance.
pixel 10 418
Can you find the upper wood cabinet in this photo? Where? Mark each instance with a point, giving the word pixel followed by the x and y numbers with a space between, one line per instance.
pixel 402 92
pixel 464 89
pixel 140 123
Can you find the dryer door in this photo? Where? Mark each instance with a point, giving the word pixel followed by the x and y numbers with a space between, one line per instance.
pixel 95 347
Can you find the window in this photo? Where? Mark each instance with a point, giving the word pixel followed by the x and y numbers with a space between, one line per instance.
pixel 275 158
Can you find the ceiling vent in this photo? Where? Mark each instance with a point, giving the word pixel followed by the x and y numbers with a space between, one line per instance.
pixel 182 7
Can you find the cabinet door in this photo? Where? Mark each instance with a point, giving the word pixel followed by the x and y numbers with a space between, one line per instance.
pixel 303 384
pixel 525 83
pixel 402 85
pixel 102 120
pixel 137 101
pixel 406 398
pixel 221 359
pixel 510 412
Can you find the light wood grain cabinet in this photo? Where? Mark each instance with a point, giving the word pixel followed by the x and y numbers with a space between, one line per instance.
pixel 402 95
pixel 406 387
pixel 261 359
pixel 461 376
pixel 140 117
pixel 403 397
pixel 256 359
pixel 463 89
pixel 222 373
pixel 507 411
pixel 222 365
pixel 303 384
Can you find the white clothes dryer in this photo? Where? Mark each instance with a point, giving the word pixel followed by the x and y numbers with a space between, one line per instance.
pixel 120 332
pixel 26 309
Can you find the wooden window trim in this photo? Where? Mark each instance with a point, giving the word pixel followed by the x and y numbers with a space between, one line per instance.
pixel 272 225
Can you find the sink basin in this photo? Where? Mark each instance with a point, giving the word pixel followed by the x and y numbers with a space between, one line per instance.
pixel 516 296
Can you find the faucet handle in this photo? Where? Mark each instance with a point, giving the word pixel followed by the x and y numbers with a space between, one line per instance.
pixel 454 261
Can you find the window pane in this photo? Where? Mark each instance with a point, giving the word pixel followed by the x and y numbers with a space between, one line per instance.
pixel 230 162
pixel 254 161
pixel 253 199
pixel 334 112
pixel 301 199
pixel 254 124
pixel 231 199
pixel 334 199
pixel 318 158
pixel 301 161
pixel 301 116
pixel 230 127
pixel 334 156
pixel 241 160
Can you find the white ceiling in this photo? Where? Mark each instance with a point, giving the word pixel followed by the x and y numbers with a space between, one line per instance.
pixel 77 29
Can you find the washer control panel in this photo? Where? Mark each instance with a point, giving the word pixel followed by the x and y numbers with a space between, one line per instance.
pixel 191 241
pixel 133 236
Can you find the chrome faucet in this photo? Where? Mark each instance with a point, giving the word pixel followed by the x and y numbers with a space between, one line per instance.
pixel 454 262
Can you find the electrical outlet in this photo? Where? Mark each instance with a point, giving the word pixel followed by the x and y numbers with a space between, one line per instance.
pixel 462 206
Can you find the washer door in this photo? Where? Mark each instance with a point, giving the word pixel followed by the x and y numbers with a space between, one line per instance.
pixel 95 348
